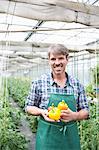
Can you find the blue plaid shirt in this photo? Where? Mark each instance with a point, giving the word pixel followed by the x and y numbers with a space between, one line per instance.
pixel 43 87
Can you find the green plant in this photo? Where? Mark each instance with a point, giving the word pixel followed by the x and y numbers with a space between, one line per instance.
pixel 95 75
pixel 33 120
pixel 18 90
pixel 12 140
pixel 90 91
pixel 10 136
pixel 88 130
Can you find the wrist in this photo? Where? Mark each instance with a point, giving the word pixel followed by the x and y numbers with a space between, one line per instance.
pixel 76 116
pixel 42 111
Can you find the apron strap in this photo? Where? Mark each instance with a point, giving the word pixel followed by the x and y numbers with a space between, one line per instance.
pixel 63 129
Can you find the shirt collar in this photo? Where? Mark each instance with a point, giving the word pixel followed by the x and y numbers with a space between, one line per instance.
pixel 52 82
pixel 51 79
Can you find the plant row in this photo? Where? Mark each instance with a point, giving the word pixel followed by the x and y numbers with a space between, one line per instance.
pixel 10 136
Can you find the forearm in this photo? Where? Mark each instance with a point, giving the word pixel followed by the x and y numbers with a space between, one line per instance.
pixel 34 110
pixel 81 115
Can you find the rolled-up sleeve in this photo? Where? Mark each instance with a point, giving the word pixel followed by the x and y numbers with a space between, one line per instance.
pixel 82 99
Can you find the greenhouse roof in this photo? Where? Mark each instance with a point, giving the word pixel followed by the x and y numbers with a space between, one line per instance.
pixel 27 28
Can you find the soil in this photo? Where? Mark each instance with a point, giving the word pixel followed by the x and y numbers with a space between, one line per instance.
pixel 25 129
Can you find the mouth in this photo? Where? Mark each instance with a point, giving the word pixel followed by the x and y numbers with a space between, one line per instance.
pixel 58 69
pixel 58 66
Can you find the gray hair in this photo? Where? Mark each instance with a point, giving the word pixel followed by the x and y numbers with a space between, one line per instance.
pixel 58 49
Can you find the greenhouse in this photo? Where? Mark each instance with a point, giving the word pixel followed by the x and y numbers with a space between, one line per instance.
pixel 27 30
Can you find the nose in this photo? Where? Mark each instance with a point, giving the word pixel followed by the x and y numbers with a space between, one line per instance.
pixel 57 62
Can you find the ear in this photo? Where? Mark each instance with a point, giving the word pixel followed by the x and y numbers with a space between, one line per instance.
pixel 48 61
pixel 67 57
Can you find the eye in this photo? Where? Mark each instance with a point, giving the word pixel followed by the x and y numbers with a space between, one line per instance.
pixel 61 58
pixel 52 59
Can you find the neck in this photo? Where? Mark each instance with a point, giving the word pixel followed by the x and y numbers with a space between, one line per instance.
pixel 59 77
pixel 60 80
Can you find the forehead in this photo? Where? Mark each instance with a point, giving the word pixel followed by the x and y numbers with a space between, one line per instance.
pixel 56 55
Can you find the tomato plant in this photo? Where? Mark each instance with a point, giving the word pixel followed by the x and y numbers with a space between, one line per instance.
pixel 10 136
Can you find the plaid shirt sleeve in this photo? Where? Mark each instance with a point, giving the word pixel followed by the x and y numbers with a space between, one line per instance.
pixel 33 97
pixel 82 99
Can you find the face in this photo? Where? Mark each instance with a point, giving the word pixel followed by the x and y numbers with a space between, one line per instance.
pixel 58 63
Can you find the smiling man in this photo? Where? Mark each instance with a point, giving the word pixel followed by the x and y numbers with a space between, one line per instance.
pixel 53 88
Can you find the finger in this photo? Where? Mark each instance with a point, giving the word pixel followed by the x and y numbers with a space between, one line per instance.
pixel 64 115
pixel 64 120
pixel 48 119
pixel 65 111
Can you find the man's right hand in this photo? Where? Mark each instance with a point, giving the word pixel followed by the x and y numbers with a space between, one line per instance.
pixel 44 113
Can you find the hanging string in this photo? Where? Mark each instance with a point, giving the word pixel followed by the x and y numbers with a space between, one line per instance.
pixel 7 46
pixel 5 62
pixel 96 80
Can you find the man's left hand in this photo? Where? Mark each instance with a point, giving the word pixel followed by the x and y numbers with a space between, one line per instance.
pixel 68 115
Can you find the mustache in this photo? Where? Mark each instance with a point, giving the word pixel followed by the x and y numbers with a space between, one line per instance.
pixel 58 65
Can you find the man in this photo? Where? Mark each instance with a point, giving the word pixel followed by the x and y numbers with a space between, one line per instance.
pixel 53 88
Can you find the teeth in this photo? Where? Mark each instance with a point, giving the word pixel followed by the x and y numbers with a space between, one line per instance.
pixel 60 65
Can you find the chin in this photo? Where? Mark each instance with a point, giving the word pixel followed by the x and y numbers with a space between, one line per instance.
pixel 58 73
